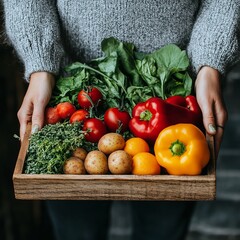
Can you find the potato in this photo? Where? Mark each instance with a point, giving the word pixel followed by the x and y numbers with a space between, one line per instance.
pixel 120 162
pixel 96 162
pixel 80 153
pixel 111 142
pixel 74 165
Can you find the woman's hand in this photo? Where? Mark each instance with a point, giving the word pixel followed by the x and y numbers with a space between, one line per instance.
pixel 210 100
pixel 36 98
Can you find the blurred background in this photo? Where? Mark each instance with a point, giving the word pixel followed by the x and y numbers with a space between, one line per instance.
pixel 25 220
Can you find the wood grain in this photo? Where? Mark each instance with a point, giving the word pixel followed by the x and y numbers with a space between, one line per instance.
pixel 112 187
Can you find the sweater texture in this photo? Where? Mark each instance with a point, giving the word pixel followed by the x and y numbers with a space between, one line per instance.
pixel 47 33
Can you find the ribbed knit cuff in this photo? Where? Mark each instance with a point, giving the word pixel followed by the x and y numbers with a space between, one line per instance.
pixel 33 29
pixel 214 41
pixel 44 60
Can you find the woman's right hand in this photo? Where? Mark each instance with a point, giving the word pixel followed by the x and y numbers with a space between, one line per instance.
pixel 35 100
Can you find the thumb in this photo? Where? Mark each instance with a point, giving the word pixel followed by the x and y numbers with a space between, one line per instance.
pixel 37 118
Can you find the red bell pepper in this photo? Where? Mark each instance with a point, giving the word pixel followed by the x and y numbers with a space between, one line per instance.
pixel 151 117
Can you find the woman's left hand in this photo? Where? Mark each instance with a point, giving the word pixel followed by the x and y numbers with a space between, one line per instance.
pixel 210 100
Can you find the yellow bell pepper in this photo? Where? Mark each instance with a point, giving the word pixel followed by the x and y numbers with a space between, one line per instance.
pixel 182 149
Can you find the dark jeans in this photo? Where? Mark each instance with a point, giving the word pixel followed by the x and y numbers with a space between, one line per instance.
pixel 89 220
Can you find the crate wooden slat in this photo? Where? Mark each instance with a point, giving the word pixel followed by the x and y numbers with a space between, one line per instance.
pixel 112 187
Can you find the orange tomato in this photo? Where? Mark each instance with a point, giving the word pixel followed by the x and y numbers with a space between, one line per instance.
pixel 136 145
pixel 145 163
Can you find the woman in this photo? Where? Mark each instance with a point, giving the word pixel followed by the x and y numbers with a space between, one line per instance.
pixel 49 33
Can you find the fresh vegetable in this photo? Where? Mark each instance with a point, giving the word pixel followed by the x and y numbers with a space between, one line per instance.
pixel 74 165
pixel 51 115
pixel 120 162
pixel 96 163
pixel 116 120
pixel 65 110
pixel 111 142
pixel 80 153
pixel 95 129
pixel 165 72
pixel 136 145
pixel 125 76
pixel 189 102
pixel 192 109
pixel 182 149
pixel 109 88
pixel 52 145
pixel 148 119
pixel 79 115
pixel 151 117
pixel 89 98
pixel 145 163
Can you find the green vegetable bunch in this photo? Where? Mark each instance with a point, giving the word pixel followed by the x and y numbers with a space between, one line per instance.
pixel 126 77
pixel 50 147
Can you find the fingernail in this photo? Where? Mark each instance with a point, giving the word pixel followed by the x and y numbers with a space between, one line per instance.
pixel 35 128
pixel 211 128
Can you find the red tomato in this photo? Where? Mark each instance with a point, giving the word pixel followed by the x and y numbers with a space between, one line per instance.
pixel 51 115
pixel 65 110
pixel 114 119
pixel 96 128
pixel 85 97
pixel 79 115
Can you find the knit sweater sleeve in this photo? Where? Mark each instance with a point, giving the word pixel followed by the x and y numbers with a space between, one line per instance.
pixel 215 39
pixel 33 29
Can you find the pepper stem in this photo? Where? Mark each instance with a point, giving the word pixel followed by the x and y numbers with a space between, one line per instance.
pixel 177 148
pixel 145 115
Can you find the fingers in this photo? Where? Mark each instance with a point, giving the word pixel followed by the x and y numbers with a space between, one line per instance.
pixel 23 127
pixel 34 103
pixel 214 119
pixel 218 139
pixel 209 96
pixel 24 116
pixel 38 117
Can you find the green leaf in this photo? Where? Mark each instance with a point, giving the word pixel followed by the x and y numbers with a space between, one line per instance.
pixel 148 69
pixel 126 60
pixel 172 58
pixel 137 94
pixel 165 69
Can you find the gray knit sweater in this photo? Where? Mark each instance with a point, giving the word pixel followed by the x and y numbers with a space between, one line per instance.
pixel 46 32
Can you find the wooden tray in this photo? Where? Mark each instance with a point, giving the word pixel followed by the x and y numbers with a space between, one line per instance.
pixel 112 187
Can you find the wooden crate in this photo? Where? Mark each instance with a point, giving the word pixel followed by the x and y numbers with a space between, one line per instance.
pixel 112 187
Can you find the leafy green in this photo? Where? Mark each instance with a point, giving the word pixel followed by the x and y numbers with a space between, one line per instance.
pixel 52 145
pixel 165 71
pixel 126 57
pixel 126 77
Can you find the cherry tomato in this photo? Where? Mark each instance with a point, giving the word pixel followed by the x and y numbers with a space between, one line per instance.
pixel 96 129
pixel 65 110
pixel 85 97
pixel 79 115
pixel 51 115
pixel 115 119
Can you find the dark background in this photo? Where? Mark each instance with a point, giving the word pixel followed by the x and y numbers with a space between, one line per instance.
pixel 25 220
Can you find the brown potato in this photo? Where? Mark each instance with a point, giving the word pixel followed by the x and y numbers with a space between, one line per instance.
pixel 120 162
pixel 74 165
pixel 80 153
pixel 111 142
pixel 96 162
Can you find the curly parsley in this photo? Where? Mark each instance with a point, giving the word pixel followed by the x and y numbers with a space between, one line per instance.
pixel 52 145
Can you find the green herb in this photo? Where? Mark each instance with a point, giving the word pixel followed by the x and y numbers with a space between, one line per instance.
pixel 52 145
